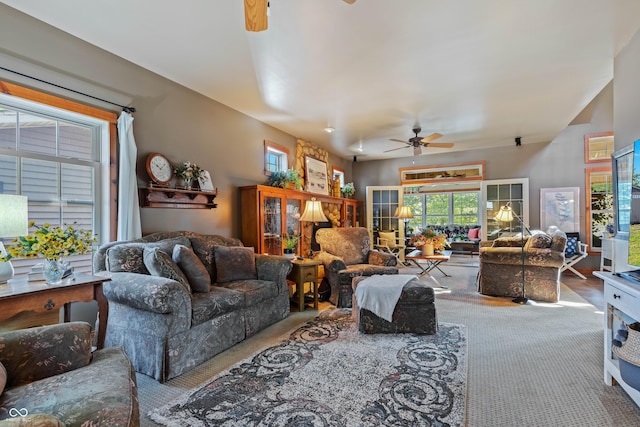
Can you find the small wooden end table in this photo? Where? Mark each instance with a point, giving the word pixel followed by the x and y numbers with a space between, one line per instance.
pixel 431 261
pixel 20 295
pixel 305 271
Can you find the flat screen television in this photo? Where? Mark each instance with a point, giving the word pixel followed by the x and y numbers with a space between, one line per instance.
pixel 633 258
pixel 626 181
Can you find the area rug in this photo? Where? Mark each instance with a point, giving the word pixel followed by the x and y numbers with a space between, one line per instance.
pixel 326 373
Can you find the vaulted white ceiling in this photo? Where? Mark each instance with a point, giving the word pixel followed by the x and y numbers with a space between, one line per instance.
pixel 481 72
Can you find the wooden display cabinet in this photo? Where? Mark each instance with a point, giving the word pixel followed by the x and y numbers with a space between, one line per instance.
pixel 269 213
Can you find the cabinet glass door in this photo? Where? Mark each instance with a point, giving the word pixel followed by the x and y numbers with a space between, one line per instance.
pixel 272 225
pixel 294 210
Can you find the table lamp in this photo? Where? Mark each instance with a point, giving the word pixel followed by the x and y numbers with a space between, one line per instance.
pixel 506 214
pixel 313 213
pixel 14 218
pixel 404 213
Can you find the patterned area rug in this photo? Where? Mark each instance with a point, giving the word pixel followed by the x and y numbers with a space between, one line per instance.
pixel 326 373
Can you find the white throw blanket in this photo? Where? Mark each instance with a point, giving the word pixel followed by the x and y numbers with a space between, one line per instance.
pixel 380 293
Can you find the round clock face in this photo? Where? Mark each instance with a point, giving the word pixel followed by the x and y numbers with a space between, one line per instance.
pixel 159 168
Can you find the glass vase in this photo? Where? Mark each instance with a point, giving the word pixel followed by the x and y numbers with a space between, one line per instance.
pixel 53 270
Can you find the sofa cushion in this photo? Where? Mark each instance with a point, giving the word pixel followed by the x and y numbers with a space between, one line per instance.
pixel 474 233
pixel 128 257
pixel 253 291
pixel 192 267
pixel 35 353
pixel 235 263
pixel 509 242
pixel 160 264
pixel 539 241
pixel 204 247
pixel 216 302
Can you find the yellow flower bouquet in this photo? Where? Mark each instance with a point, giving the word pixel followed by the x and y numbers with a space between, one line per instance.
pixel 52 243
pixel 428 235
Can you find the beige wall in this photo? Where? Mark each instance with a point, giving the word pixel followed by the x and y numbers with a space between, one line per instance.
pixel 170 118
pixel 626 91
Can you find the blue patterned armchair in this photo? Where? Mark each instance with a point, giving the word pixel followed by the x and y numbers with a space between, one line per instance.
pixel 346 253
pixel 176 299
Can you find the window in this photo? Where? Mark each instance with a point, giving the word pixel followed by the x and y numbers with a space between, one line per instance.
pixel 276 157
pixel 497 193
pixel 598 147
pixel 339 173
pixel 599 204
pixel 460 208
pixel 60 160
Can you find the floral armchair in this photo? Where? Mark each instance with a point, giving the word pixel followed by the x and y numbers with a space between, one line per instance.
pixel 501 266
pixel 53 378
pixel 346 253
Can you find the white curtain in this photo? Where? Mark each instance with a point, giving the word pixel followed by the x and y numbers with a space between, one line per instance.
pixel 129 226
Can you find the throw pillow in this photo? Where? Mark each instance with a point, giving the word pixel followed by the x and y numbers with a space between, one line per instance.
pixel 474 233
pixel 3 377
pixel 128 257
pixel 572 245
pixel 387 238
pixel 160 264
pixel 235 263
pixel 539 241
pixel 192 267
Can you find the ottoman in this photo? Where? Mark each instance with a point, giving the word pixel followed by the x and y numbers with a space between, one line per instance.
pixel 415 311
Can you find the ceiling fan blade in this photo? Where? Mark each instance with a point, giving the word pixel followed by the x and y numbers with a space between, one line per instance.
pixel 431 137
pixel 394 149
pixel 399 140
pixel 417 150
pixel 439 144
pixel 255 15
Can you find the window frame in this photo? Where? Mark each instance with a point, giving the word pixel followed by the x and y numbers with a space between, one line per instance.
pixel 587 148
pixel 605 170
pixel 283 151
pixel 335 170
pixel 108 216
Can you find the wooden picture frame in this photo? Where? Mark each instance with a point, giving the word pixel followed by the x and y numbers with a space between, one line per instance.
pixel 316 175
pixel 560 207
pixel 205 182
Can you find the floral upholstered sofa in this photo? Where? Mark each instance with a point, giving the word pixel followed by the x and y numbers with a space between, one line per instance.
pixel 501 266
pixel 176 299
pixel 53 378
pixel 346 253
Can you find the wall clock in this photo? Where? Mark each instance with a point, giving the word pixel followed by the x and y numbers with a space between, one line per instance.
pixel 159 169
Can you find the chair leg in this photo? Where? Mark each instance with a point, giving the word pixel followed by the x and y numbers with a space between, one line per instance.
pixel 576 272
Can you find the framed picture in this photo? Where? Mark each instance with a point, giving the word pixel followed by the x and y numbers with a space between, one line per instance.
pixel 316 174
pixel 560 207
pixel 205 181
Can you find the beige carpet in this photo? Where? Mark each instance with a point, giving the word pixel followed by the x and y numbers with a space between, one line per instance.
pixel 533 365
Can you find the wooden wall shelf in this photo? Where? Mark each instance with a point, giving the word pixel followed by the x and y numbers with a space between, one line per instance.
pixel 176 198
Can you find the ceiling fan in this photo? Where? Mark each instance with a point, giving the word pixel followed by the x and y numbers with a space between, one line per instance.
pixel 417 142
pixel 255 14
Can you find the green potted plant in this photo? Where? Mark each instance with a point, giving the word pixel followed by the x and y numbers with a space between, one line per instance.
pixel 289 243
pixel 348 190
pixel 285 179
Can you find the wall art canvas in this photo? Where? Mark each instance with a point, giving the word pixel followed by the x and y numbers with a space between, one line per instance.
pixel 560 207
pixel 316 174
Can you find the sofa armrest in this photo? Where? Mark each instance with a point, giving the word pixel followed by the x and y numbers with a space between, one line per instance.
pixel 36 353
pixel 273 268
pixel 375 257
pixel 329 261
pixel 149 293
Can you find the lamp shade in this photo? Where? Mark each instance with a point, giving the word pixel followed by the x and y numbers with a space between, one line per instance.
pixel 403 212
pixel 313 212
pixel 14 215
pixel 505 214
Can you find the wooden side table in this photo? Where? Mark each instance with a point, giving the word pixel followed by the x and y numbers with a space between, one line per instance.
pixel 305 271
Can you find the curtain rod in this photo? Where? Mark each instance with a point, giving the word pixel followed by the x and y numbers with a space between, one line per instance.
pixel 124 107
